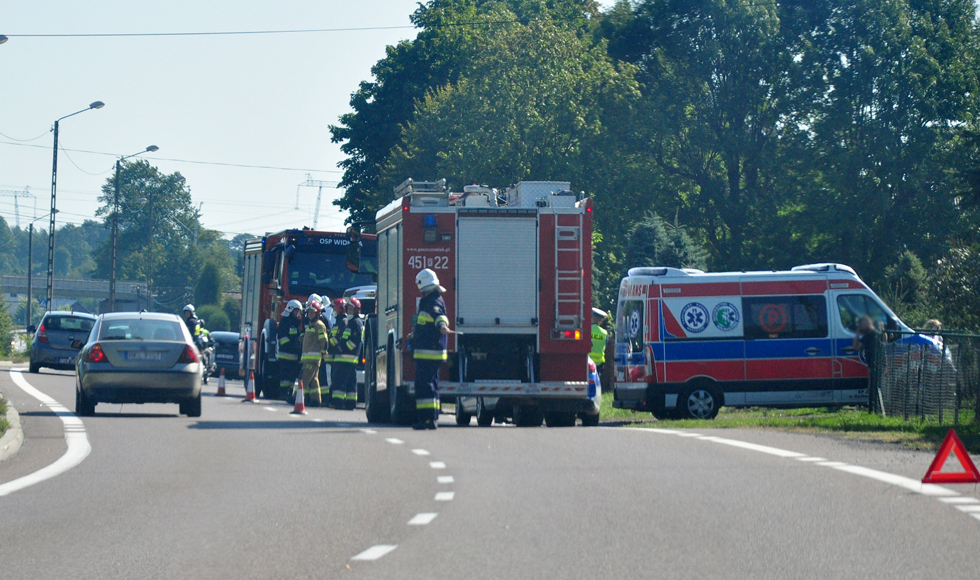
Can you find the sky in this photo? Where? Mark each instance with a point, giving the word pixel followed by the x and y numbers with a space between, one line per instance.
pixel 259 100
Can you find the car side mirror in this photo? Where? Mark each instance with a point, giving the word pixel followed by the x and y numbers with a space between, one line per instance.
pixel 31 329
pixel 77 344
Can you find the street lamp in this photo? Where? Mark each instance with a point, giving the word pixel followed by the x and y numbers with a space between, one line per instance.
pixel 115 226
pixel 3 39
pixel 30 270
pixel 54 191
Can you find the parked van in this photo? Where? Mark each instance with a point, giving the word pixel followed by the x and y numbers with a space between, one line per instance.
pixel 689 342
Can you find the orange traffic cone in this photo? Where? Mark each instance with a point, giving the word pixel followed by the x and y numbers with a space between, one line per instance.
pixel 250 388
pixel 300 407
pixel 221 383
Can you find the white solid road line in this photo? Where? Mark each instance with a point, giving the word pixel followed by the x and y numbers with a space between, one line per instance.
pixel 75 437
pixel 959 500
pixel 810 459
pixel 369 431
pixel 420 452
pixel 422 519
pixel 445 479
pixel 373 553
pixel 394 441
pixel 445 496
pixel 437 465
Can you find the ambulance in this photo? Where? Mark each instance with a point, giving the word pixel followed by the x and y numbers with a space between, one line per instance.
pixel 689 342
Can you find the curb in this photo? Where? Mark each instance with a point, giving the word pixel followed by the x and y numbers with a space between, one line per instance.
pixel 13 438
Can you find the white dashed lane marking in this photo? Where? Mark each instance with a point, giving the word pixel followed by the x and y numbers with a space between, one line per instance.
pixel 266 408
pixel 420 452
pixel 437 465
pixel 422 519
pixel 373 553
pixel 394 441
pixel 369 431
pixel 445 479
pixel 959 500
pixel 445 496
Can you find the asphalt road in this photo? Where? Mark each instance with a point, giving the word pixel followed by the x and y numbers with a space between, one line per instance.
pixel 247 491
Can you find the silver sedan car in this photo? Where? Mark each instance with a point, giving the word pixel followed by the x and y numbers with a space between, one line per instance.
pixel 138 357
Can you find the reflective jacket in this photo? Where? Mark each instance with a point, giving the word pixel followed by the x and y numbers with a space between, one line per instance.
pixel 350 341
pixel 427 342
pixel 193 325
pixel 314 340
pixel 333 343
pixel 599 336
pixel 289 339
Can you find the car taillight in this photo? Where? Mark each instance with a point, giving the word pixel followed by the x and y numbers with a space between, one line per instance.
pixel 188 356
pixel 42 336
pixel 95 355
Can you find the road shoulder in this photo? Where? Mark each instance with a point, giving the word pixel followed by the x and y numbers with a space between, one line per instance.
pixel 13 437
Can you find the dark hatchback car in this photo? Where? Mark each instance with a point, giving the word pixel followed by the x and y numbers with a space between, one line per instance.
pixel 51 346
pixel 226 354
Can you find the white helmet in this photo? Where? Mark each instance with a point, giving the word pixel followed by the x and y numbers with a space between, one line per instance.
pixel 189 308
pixel 314 298
pixel 427 281
pixel 291 306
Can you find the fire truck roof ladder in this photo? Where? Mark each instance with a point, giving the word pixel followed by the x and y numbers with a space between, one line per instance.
pixel 568 283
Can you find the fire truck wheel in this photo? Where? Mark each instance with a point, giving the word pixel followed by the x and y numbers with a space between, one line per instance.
pixel 528 416
pixel 560 419
pixel 590 420
pixel 701 401
pixel 484 416
pixel 462 417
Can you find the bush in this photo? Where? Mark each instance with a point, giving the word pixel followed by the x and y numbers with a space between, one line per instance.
pixel 233 309
pixel 214 318
pixel 6 328
pixel 208 289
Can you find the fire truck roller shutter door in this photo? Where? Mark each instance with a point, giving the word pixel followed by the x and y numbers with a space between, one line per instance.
pixel 496 286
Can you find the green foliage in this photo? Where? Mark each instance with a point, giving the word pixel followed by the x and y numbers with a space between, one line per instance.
pixel 654 242
pixel 955 286
pixel 214 317
pixel 208 289
pixel 37 311
pixel 6 328
pixel 233 309
pixel 907 290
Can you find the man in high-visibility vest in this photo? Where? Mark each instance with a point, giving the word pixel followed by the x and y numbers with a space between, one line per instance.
pixel 290 347
pixel 429 348
pixel 599 337
pixel 314 340
pixel 337 394
pixel 349 344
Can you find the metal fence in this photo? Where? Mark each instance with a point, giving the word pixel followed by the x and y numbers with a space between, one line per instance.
pixel 934 376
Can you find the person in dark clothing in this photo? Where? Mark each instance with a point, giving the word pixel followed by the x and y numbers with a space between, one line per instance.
pixel 194 324
pixel 290 338
pixel 429 342
pixel 337 394
pixel 349 353
pixel 866 339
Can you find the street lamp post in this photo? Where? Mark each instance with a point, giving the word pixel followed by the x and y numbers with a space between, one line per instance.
pixel 115 226
pixel 149 252
pixel 54 191
pixel 30 270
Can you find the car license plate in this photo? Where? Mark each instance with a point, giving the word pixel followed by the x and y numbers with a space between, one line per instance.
pixel 226 356
pixel 144 355
pixel 66 360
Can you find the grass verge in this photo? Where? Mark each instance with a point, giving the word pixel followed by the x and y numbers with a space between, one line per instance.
pixel 849 423
pixel 3 417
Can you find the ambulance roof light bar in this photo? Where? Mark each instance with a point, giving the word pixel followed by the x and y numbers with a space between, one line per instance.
pixel 663 271
pixel 826 267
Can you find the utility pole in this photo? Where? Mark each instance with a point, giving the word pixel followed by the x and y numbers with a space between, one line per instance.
pixel 310 182
pixel 115 226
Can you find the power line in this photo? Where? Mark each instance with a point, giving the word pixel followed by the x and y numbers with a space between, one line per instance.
pixel 254 32
pixel 246 166
pixel 25 140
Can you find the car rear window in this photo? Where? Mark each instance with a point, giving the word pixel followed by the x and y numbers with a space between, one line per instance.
pixel 138 329
pixel 73 323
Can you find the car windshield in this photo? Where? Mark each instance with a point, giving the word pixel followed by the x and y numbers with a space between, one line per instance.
pixel 70 323
pixel 141 329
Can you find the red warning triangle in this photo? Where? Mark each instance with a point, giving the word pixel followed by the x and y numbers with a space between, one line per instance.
pixel 952 444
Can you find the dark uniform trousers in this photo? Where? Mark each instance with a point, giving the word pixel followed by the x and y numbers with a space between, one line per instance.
pixel 427 389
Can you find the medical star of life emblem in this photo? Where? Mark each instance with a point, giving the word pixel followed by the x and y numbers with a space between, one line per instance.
pixel 633 324
pixel 725 316
pixel 694 317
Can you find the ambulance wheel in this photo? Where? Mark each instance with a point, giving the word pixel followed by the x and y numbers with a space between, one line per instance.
pixel 699 402
pixel 462 417
pixel 484 416
pixel 590 420
pixel 528 416
pixel 556 419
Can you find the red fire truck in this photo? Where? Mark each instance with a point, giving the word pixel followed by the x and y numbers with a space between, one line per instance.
pixel 291 265
pixel 517 268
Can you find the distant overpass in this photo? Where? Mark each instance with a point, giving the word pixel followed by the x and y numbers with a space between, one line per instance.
pixel 74 289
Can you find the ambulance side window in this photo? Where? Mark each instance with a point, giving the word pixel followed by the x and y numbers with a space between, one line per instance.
pixel 629 325
pixel 785 317
pixel 854 306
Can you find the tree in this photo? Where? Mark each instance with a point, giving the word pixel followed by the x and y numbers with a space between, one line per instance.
pixel 233 309
pixel 214 317
pixel 236 249
pixel 654 242
pixel 6 328
pixel 208 289
pixel 956 284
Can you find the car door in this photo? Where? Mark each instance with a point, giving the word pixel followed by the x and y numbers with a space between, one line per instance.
pixel 850 368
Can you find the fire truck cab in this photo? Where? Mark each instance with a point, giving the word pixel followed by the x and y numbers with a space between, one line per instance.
pixel 517 268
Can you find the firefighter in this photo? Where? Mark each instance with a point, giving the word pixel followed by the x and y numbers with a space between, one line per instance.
pixel 290 347
pixel 429 348
pixel 314 339
pixel 337 394
pixel 349 353
pixel 599 337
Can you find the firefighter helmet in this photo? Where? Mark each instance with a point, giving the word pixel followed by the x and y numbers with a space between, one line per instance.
pixel 314 306
pixel 291 306
pixel 338 303
pixel 427 281
pixel 315 298
pixel 355 303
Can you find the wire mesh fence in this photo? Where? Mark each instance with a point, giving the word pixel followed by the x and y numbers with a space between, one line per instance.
pixel 934 376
